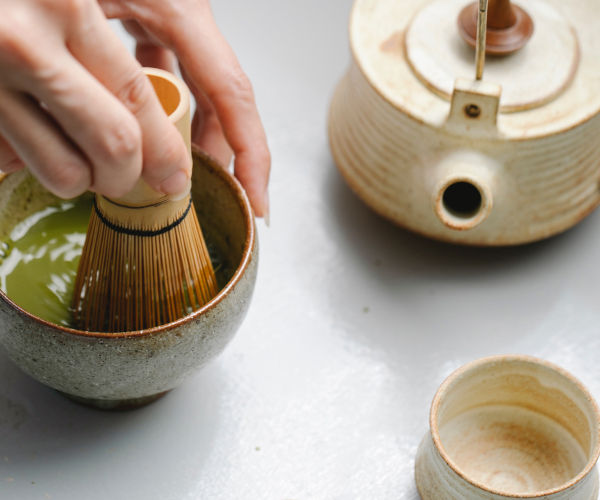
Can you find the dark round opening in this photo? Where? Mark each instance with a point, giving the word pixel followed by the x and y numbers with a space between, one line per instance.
pixel 462 199
pixel 472 110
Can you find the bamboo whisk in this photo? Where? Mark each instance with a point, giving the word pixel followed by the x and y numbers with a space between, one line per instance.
pixel 144 262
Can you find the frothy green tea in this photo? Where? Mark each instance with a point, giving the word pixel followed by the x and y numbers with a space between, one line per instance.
pixel 39 259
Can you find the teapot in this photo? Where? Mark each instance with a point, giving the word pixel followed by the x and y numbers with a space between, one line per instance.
pixel 494 146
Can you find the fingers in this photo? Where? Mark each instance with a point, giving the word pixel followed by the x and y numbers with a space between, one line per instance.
pixel 231 95
pixel 153 56
pixel 211 64
pixel 9 161
pixel 83 130
pixel 36 139
pixel 207 134
pixel 103 129
pixel 148 50
pixel 166 162
pixel 206 128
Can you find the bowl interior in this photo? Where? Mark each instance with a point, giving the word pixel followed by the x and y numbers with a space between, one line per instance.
pixel 225 216
pixel 222 208
pixel 516 426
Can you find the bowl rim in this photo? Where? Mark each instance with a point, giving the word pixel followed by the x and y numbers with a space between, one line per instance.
pixel 511 358
pixel 248 214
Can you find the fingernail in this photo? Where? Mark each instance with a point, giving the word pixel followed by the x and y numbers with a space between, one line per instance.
pixel 177 186
pixel 267 213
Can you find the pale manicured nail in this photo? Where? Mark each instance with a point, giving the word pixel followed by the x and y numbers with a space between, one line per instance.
pixel 177 186
pixel 267 213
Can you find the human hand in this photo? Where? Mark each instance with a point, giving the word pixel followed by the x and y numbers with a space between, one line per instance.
pixel 75 106
pixel 226 118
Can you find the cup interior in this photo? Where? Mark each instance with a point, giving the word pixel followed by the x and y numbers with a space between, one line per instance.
pixel 515 425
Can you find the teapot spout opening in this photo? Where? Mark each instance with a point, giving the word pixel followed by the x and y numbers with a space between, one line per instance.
pixel 463 202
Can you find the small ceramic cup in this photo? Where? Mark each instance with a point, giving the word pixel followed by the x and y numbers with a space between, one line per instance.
pixel 510 427
pixel 121 370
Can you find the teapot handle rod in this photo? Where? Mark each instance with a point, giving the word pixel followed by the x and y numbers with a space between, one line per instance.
pixel 481 36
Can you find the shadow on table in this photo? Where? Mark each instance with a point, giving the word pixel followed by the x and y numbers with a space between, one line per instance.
pixel 429 299
pixel 371 237
pixel 37 424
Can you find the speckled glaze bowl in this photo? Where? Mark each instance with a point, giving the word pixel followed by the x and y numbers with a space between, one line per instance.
pixel 509 427
pixel 115 371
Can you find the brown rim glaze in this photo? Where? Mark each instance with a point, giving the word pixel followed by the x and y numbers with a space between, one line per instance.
pixel 435 405
pixel 246 208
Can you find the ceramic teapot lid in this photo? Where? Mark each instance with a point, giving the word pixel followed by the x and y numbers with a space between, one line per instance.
pixel 530 77
pixel 412 53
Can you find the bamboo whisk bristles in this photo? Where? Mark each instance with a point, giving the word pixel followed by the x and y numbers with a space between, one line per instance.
pixel 144 262
pixel 130 281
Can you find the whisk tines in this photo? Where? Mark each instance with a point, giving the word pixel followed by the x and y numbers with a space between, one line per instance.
pixel 132 279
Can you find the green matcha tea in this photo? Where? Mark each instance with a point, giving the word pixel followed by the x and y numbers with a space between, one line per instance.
pixel 38 260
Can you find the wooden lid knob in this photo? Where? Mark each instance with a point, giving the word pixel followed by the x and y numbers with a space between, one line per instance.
pixel 509 27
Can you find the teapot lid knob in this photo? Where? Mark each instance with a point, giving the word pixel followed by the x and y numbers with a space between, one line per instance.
pixel 509 27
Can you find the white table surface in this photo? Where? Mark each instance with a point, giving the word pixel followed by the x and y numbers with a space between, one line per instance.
pixel 324 393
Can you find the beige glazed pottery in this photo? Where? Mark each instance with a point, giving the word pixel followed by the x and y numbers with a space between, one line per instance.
pixel 507 159
pixel 133 368
pixel 509 427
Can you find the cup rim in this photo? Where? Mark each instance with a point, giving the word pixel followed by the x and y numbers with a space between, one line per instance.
pixel 447 383
pixel 248 214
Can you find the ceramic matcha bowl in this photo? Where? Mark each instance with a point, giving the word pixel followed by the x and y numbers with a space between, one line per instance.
pixel 122 370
